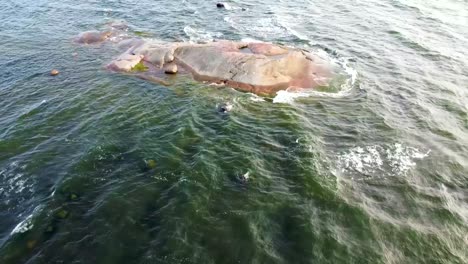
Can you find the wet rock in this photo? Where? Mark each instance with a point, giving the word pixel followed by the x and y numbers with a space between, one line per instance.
pixel 244 178
pixel 170 68
pixel 125 62
pixel 225 107
pixel 92 37
pixel 54 72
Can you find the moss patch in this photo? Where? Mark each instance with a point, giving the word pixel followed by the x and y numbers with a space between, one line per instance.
pixel 140 67
pixel 151 164
pixel 142 34
pixel 62 214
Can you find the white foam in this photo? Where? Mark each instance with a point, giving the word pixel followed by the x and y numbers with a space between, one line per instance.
pixel 376 161
pixel 199 35
pixel 27 224
pixel 33 107
pixel 282 21
pixel 454 202
pixel 16 181
pixel 23 226
pixel 227 6
pixel 251 40
pixel 289 96
pixel 256 98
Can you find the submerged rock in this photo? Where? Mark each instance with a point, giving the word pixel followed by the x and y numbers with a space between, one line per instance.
pixel 62 214
pixel 31 244
pixel 151 164
pixel 92 37
pixel 73 196
pixel 225 107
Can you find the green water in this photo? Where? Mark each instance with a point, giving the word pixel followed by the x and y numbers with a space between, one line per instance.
pixel 97 167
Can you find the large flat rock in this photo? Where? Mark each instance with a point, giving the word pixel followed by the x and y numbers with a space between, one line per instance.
pixel 261 68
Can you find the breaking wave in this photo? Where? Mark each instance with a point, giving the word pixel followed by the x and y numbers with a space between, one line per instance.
pixel 345 87
pixel 200 35
pixel 379 161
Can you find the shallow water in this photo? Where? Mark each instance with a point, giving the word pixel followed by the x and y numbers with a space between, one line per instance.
pixel 97 167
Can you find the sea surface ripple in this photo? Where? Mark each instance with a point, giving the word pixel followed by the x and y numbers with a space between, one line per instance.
pixel 97 167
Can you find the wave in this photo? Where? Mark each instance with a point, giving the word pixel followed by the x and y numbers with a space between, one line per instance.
pixel 16 181
pixel 200 35
pixel 379 161
pixel 345 88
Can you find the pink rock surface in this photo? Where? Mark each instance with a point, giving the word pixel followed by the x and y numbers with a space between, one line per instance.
pixel 261 68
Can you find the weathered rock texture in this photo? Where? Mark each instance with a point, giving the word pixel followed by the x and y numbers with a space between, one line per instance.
pixel 261 68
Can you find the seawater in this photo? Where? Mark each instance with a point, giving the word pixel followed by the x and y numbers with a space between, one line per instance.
pixel 97 167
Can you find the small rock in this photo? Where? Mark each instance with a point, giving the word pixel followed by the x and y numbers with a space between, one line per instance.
pixel 170 68
pixel 244 178
pixel 54 72
pixel 225 107
pixel 223 5
pixel 92 37
pixel 169 57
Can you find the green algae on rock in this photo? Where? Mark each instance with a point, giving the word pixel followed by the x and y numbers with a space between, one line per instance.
pixel 151 164
pixel 140 67
pixel 62 213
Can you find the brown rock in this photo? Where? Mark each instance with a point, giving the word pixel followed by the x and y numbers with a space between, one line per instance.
pixel 54 72
pixel 170 68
